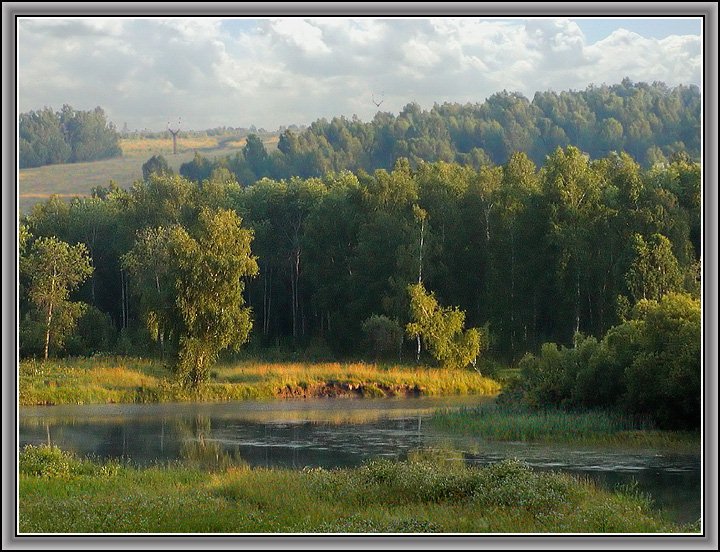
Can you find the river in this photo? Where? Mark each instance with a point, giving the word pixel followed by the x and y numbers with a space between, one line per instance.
pixel 341 433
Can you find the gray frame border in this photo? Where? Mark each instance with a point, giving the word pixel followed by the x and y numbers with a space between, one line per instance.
pixel 511 9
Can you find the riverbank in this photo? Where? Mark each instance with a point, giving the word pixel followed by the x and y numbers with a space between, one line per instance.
pixel 511 423
pixel 130 380
pixel 60 493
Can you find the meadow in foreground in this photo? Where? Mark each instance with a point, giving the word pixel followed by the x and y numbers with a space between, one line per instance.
pixel 63 494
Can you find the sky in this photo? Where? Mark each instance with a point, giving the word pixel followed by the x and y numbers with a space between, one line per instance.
pixel 209 72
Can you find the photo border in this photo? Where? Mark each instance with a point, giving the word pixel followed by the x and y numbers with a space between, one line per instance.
pixel 709 10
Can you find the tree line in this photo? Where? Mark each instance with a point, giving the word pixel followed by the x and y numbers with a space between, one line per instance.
pixel 519 254
pixel 48 137
pixel 651 122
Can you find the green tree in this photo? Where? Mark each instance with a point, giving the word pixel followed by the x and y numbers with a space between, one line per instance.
pixel 157 164
pixel 212 264
pixel 385 336
pixel 664 378
pixel 655 270
pixel 54 269
pixel 153 272
pixel 441 330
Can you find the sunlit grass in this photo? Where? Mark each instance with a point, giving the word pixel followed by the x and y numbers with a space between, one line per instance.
pixel 120 379
pixel 164 146
pixel 62 494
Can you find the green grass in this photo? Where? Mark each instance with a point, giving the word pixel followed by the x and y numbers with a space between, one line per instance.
pixel 62 494
pixel 130 380
pixel 506 423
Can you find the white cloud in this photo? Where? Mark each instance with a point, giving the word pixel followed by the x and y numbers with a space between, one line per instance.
pixel 282 71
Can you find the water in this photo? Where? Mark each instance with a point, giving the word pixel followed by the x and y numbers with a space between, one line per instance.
pixel 339 433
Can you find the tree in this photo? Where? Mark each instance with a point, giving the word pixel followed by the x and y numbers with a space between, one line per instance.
pixel 664 379
pixel 212 265
pixel 157 164
pixel 54 269
pixel 441 330
pixel 154 274
pixel 655 270
pixel 384 335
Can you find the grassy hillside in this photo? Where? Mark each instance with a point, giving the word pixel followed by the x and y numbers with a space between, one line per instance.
pixel 69 180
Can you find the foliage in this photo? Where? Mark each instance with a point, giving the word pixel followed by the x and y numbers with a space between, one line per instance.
pixel 66 136
pixel 537 254
pixel 384 336
pixel 648 366
pixel 191 286
pixel 53 269
pixel 651 122
pixel 441 330
pixel 157 164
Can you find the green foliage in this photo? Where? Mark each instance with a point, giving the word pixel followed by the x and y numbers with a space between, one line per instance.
pixel 54 269
pixel 534 254
pixel 66 136
pixel 420 495
pixel 191 287
pixel 650 122
pixel 648 366
pixel 157 164
pixel 47 461
pixel 441 330
pixel 664 377
pixel 655 270
pixel 384 336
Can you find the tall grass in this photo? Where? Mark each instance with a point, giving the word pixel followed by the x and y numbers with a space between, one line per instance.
pixel 124 380
pixel 511 423
pixel 61 494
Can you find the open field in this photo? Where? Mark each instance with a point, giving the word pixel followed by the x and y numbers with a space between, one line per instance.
pixel 60 493
pixel 73 179
pixel 128 380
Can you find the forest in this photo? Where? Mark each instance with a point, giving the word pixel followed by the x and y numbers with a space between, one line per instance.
pixel 522 255
pixel 650 122
pixel 50 137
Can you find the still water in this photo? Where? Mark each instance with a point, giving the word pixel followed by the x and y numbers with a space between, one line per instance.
pixel 340 433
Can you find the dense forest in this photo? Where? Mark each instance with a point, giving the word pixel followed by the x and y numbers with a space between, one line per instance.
pixel 650 122
pixel 67 136
pixel 534 254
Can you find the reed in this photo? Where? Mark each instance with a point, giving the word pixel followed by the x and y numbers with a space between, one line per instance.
pixel 505 423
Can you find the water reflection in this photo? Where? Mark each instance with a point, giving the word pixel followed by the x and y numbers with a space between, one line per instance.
pixel 337 433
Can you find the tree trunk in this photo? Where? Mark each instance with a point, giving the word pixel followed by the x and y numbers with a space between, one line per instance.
pixel 47 330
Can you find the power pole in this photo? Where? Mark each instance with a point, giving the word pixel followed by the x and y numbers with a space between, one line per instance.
pixel 174 135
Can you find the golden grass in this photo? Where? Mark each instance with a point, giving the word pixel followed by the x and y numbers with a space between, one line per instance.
pixel 164 146
pixel 86 381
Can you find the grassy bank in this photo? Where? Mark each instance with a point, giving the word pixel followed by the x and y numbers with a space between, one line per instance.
pixel 127 380
pixel 504 423
pixel 61 494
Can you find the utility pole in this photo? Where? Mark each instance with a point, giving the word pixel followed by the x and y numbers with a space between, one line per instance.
pixel 174 135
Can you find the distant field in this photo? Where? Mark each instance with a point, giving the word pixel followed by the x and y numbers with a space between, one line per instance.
pixel 73 179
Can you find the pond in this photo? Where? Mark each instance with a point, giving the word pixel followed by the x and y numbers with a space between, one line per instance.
pixel 340 433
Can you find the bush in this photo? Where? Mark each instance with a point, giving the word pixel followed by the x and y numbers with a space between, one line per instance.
pixel 383 335
pixel 47 461
pixel 648 366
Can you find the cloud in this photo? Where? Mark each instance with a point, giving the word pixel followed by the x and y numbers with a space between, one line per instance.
pixel 274 72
